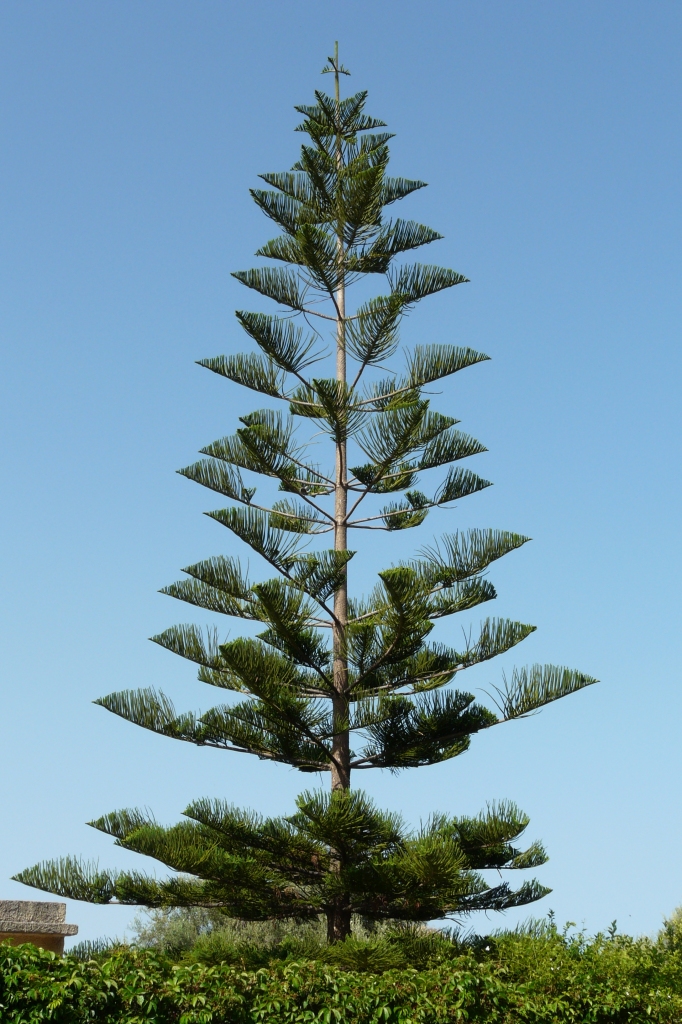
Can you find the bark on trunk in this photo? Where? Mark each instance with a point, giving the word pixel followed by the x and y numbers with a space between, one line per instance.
pixel 339 914
pixel 341 743
pixel 338 924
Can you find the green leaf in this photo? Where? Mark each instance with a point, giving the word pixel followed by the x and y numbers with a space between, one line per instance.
pixel 72 879
pixel 366 146
pixel 360 204
pixel 211 598
pixel 280 339
pixel 487 839
pixel 266 672
pixel 461 597
pixel 320 575
pixel 496 637
pixel 295 185
pixel 332 403
pixel 449 446
pixel 415 282
pixel 265 445
pixel 290 615
pixel 254 527
pixel 459 556
pixel 188 641
pixel 285 210
pixel 223 573
pixel 312 248
pixel 399 188
pixel 385 479
pixel 392 435
pixel 218 585
pixel 153 710
pixel 185 848
pixel 406 514
pixel 119 824
pixel 297 518
pixel 434 362
pixel 261 451
pixel 372 335
pixel 429 668
pixel 533 857
pixel 501 897
pixel 532 688
pixel 221 477
pixel 324 119
pixel 394 238
pixel 276 730
pixel 280 285
pixel 395 435
pixel 426 730
pixel 458 484
pixel 347 821
pixel 395 630
pixel 259 373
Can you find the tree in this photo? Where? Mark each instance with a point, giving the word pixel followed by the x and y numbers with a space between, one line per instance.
pixel 327 667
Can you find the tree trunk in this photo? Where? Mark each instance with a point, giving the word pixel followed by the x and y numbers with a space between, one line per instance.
pixel 340 771
pixel 338 923
pixel 341 742
pixel 339 913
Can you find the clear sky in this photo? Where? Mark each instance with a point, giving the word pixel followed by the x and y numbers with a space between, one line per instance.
pixel 550 136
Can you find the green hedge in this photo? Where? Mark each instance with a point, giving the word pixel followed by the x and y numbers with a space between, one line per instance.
pixel 524 979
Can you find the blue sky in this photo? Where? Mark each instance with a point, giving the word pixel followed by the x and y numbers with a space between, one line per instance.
pixel 550 136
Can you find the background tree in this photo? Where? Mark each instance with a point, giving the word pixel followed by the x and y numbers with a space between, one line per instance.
pixel 334 684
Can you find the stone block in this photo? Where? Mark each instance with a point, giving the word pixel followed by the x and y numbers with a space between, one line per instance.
pixel 41 923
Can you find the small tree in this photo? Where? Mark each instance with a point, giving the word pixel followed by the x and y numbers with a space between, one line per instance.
pixel 334 684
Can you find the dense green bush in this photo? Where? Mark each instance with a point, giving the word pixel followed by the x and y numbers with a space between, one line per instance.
pixel 533 976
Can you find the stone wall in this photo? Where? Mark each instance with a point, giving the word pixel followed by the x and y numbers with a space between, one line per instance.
pixel 41 923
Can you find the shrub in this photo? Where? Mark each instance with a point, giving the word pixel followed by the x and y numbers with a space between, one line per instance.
pixel 534 975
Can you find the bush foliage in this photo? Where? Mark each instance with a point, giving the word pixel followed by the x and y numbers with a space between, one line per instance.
pixel 535 975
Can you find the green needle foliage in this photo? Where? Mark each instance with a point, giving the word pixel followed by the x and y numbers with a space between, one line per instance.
pixel 334 683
